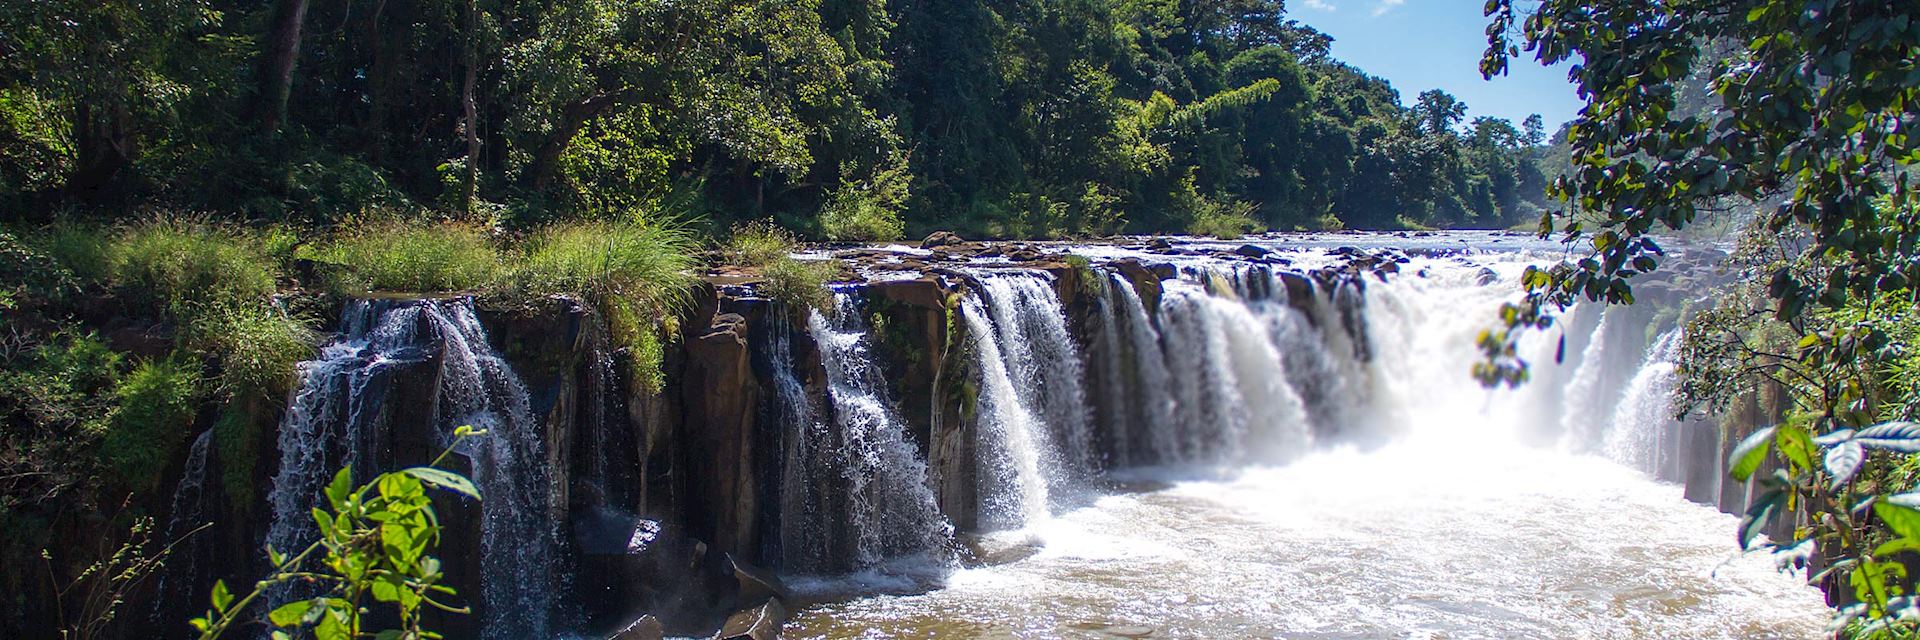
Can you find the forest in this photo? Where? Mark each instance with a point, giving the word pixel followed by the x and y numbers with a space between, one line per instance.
pixel 839 119
pixel 195 196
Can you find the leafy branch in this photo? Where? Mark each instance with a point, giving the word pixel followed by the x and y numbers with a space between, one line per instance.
pixel 375 541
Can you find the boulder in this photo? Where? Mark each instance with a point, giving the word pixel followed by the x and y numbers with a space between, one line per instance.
pixel 941 239
pixel 755 623
pixel 756 584
pixel 920 292
pixel 1252 251
pixel 643 628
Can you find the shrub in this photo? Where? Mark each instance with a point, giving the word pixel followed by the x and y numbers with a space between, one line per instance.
pixel 83 250
pixel 185 267
pixel 410 256
pixel 798 282
pixel 870 210
pixel 149 430
pixel 640 258
pixel 257 347
pixel 1226 221
pixel 757 244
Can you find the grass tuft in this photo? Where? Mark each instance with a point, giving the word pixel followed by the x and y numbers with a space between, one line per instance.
pixel 638 258
pixel 800 282
pixel 416 257
pixel 758 244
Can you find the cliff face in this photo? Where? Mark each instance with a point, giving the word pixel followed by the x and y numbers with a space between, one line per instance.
pixel 677 501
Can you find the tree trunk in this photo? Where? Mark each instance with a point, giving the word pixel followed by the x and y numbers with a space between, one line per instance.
pixel 103 147
pixel 471 110
pixel 573 118
pixel 276 63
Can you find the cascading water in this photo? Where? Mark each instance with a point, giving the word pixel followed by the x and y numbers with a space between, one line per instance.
pixel 855 490
pixel 1340 542
pixel 1030 328
pixel 1639 433
pixel 1011 441
pixel 341 413
pixel 1144 413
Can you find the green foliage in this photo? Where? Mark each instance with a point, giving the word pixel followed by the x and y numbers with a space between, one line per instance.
pixel 799 283
pixel 157 403
pixel 393 255
pixel 1801 110
pixel 256 346
pixel 869 210
pixel 376 544
pixel 189 267
pixel 757 244
pixel 637 257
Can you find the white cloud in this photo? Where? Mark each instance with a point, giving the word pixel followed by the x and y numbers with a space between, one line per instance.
pixel 1386 5
pixel 1317 5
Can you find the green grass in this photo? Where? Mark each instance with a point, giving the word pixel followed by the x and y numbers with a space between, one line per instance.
pixel 1225 221
pixel 637 258
pixel 257 347
pixel 758 244
pixel 188 267
pixel 416 257
pixel 799 282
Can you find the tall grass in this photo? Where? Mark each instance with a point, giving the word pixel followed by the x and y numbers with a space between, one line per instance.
pixel 758 244
pixel 188 267
pixel 638 258
pixel 410 256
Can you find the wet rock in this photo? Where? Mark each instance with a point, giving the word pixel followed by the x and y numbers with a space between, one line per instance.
pixel 1252 251
pixel 756 584
pixel 941 239
pixel 1487 277
pixel 919 292
pixel 720 402
pixel 1159 244
pixel 1131 631
pixel 644 628
pixel 1299 289
pixel 755 623
pixel 1024 254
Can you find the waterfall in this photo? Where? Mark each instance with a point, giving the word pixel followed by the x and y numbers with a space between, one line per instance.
pixel 1141 396
pixel 1233 400
pixel 1011 440
pixel 1030 328
pixel 340 414
pixel 855 493
pixel 1642 424
pixel 1585 403
pixel 179 584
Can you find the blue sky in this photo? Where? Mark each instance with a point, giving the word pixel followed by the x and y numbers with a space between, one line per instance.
pixel 1425 44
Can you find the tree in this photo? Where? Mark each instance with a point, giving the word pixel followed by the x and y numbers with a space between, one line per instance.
pixel 1534 130
pixel 1813 106
pixel 1438 112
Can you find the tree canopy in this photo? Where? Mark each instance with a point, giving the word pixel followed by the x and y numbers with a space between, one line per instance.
pixel 1008 118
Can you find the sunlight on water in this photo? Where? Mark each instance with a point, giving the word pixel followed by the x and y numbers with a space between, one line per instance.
pixel 1450 529
pixel 1423 539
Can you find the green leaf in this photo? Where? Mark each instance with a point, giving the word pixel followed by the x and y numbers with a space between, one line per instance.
pixel 1904 521
pixel 1746 458
pixel 222 598
pixel 446 480
pixel 1900 436
pixel 1844 460
pixel 1796 445
pixel 290 614
pixel 1758 515
pixel 341 487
